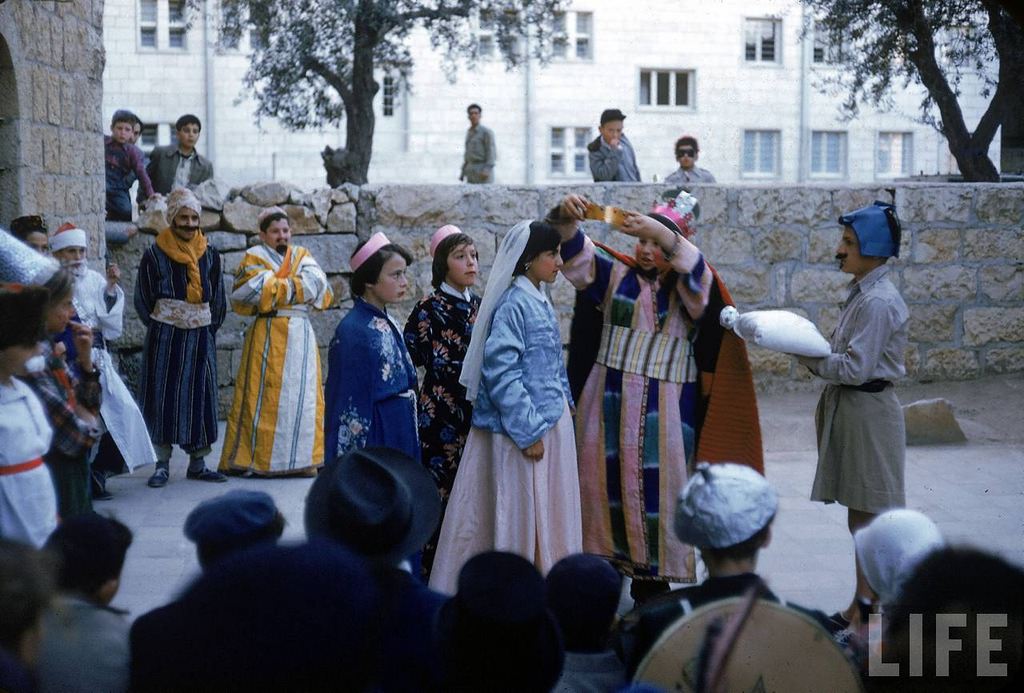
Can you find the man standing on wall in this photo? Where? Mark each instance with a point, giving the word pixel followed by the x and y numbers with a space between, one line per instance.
pixel 611 155
pixel 478 161
pixel 179 295
pixel 861 436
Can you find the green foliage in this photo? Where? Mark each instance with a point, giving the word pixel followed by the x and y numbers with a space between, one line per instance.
pixel 305 69
pixel 938 44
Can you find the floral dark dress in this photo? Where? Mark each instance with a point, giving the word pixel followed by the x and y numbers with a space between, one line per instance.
pixel 437 336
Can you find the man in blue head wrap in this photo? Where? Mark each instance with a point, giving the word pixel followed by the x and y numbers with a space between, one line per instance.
pixel 861 438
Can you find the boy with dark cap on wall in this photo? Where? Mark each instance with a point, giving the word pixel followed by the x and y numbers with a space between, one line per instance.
pixel 122 158
pixel 861 436
pixel 611 155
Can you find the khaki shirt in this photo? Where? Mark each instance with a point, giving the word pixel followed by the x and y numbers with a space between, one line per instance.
pixel 870 340
pixel 478 162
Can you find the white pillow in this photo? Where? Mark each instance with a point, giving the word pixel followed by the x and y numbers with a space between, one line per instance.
pixel 778 330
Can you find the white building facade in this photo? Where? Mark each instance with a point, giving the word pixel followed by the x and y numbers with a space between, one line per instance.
pixel 742 77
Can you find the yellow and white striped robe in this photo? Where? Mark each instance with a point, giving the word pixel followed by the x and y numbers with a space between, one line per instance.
pixel 276 420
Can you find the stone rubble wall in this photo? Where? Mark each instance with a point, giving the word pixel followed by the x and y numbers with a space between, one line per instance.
pixel 961 265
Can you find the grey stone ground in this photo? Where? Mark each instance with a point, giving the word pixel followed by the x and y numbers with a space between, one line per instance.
pixel 974 491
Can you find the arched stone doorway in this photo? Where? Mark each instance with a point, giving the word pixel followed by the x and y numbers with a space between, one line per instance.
pixel 10 143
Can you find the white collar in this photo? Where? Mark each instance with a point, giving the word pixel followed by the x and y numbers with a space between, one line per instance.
pixel 524 283
pixel 452 291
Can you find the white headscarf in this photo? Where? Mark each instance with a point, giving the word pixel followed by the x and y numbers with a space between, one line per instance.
pixel 498 279
pixel 891 546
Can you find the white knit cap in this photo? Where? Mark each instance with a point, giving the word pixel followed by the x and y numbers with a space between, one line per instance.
pixel 891 546
pixel 68 236
pixel 724 504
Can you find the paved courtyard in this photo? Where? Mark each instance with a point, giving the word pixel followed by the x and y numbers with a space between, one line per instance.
pixel 974 491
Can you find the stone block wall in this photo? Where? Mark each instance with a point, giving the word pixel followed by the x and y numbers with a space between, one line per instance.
pixel 51 149
pixel 961 265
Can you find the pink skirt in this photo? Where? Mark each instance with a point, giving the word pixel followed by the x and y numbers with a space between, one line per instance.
pixel 502 501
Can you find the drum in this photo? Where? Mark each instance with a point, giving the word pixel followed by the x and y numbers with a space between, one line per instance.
pixel 778 649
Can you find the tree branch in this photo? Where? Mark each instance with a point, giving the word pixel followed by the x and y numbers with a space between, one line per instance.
pixel 331 77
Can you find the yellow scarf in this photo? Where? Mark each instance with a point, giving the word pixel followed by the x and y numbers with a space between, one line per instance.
pixel 185 253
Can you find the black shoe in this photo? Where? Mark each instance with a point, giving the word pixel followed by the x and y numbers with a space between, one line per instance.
pixel 205 474
pixel 98 486
pixel 159 478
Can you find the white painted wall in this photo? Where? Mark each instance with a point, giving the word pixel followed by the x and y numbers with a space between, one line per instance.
pixel 423 141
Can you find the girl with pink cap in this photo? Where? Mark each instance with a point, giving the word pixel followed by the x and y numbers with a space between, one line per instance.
pixel 370 395
pixel 437 335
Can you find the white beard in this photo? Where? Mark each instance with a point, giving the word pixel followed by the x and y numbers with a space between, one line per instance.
pixel 77 269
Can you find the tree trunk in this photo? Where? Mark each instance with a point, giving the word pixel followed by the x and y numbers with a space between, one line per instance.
pixel 359 116
pixel 969 150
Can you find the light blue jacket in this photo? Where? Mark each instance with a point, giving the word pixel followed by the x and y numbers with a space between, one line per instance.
pixel 523 385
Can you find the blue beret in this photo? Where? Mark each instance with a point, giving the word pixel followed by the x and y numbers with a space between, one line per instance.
pixel 877 228
pixel 235 515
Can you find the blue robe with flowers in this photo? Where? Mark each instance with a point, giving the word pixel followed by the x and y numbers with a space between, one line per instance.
pixel 371 385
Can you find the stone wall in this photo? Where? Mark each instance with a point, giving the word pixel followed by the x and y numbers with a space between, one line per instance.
pixel 51 128
pixel 961 268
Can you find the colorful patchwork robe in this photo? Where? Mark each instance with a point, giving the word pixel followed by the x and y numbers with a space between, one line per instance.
pixel 637 419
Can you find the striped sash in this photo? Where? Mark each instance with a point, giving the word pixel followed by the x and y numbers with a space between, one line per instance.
pixel 649 354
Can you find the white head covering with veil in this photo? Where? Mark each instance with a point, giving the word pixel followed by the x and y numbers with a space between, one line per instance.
pixel 499 279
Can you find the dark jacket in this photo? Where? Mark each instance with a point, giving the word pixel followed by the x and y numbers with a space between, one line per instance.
pixel 163 163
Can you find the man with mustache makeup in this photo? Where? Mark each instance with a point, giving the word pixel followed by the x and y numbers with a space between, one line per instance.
pixel 179 295
pixel 99 304
pixel 861 437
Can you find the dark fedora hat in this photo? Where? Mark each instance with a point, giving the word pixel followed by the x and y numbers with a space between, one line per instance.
pixel 379 502
pixel 496 632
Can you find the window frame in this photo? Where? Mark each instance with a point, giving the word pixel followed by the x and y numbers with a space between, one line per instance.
pixel 758 60
pixel 906 154
pixel 569 151
pixel 148 25
pixel 673 81
pixel 776 171
pixel 844 154
pixel 162 27
pixel 832 55
pixel 566 37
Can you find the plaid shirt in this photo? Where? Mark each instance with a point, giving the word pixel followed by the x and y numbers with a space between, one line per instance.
pixel 59 390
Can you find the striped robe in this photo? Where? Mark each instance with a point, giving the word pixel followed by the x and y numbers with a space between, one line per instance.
pixel 178 382
pixel 636 418
pixel 276 420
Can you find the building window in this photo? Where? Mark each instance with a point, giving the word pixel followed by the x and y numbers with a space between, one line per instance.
pixel 666 88
pixel 825 50
pixel 569 151
pixel 828 154
pixel 176 23
pixel 147 23
pixel 584 31
pixel 148 136
pixel 163 24
pixel 761 153
pixel 574 29
pixel 895 154
pixel 389 95
pixel 761 40
pixel 485 41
